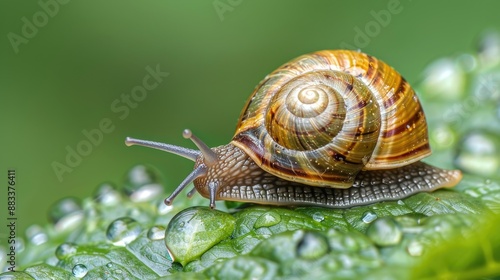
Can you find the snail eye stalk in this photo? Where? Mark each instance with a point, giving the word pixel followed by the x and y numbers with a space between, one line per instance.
pixel 209 156
pixel 173 149
pixel 199 171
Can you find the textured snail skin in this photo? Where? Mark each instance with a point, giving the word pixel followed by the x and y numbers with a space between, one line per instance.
pixel 239 178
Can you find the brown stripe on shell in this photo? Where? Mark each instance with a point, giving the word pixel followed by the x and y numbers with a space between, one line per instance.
pixel 417 149
pixel 371 71
pixel 418 116
pixel 391 100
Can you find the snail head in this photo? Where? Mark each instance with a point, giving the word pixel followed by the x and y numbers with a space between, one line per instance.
pixel 208 156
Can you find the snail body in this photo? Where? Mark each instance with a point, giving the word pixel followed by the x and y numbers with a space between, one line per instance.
pixel 331 128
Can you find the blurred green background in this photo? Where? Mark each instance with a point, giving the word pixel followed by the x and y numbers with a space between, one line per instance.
pixel 64 64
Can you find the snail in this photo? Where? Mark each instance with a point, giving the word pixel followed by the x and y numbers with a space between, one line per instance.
pixel 334 128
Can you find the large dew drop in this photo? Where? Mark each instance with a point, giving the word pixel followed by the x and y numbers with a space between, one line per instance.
pixel 193 231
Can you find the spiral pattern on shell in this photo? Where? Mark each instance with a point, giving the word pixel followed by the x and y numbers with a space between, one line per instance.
pixel 323 117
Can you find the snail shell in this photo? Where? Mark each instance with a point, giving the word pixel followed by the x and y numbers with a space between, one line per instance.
pixel 323 117
pixel 331 128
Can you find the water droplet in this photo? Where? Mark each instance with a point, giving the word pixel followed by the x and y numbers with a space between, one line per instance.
pixel 415 248
pixel 66 250
pixel 443 136
pixel 410 222
pixel 36 235
pixel 331 265
pixel 444 79
pixel 52 260
pixel 66 213
pixel 312 246
pixel 107 194
pixel 365 159
pixel 268 219
pixel 142 184
pixel 70 221
pixel 468 62
pixel 479 153
pixel 347 261
pixel 156 233
pixel 147 192
pixel 485 89
pixel 489 48
pixel 385 232
pixel 80 270
pixel 170 256
pixel 122 231
pixel 369 217
pixel 349 243
pixel 20 244
pixel 318 217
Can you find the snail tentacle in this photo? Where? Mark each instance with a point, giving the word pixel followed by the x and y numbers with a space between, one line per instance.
pixel 212 190
pixel 199 171
pixel 173 149
pixel 209 156
pixel 191 192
